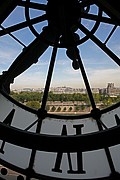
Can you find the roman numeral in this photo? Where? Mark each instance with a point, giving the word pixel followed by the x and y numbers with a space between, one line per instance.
pixel 79 155
pixel 7 121
pixel 117 119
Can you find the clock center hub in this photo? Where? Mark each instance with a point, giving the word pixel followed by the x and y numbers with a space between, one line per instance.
pixel 63 13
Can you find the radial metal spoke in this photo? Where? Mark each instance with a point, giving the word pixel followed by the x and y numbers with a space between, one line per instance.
pixel 49 77
pixel 86 81
pixel 22 25
pixel 100 44
pixel 16 39
pixel 94 17
pixel 88 88
pixel 86 3
pixel 99 122
pixel 111 33
pixel 111 8
pixel 33 5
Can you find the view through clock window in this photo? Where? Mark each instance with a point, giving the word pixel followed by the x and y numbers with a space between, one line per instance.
pixel 59 90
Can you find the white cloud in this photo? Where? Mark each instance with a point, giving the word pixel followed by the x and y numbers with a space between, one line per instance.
pixel 101 77
pixel 9 50
pixel 65 75
pixel 96 77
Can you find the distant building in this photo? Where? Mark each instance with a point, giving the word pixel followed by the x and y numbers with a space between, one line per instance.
pixel 103 91
pixel 112 90
pixel 95 90
pixel 67 90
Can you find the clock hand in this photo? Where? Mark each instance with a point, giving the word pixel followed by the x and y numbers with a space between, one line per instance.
pixel 29 56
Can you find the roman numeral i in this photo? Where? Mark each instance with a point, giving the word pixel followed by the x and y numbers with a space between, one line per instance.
pixel 79 169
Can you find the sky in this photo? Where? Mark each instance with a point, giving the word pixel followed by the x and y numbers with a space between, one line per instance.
pixel 99 67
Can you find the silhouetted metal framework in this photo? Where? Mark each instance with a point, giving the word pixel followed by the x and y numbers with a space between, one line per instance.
pixel 59 33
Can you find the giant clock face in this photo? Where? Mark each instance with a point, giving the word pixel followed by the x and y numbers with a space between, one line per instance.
pixel 36 144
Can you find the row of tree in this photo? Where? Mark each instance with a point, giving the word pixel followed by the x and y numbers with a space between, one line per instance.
pixel 34 99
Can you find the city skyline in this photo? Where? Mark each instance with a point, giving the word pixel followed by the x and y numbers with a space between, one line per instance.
pixel 55 88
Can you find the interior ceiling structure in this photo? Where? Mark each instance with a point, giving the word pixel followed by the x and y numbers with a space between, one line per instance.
pixel 38 137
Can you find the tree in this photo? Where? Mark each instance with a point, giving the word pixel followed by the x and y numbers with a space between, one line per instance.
pixel 77 108
pixel 47 107
pixel 64 109
pixel 33 104
pixel 82 107
pixel 53 108
pixel 59 109
pixel 70 109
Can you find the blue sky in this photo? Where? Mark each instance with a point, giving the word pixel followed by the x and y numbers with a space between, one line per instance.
pixel 100 68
